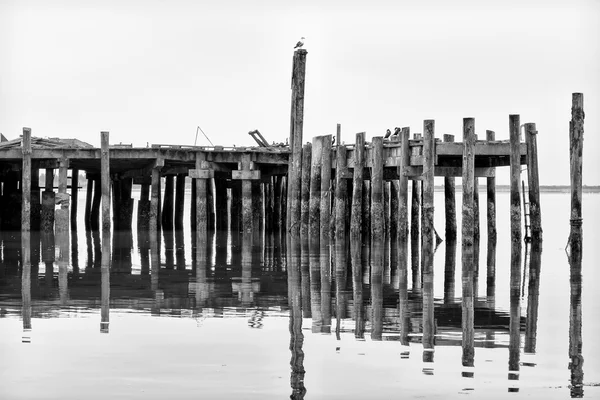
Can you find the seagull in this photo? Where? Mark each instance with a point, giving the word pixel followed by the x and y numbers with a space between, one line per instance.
pixel 387 134
pixel 300 43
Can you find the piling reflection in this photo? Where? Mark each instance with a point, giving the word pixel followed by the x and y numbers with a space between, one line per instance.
pixel 295 325
pixel 105 283
pixel 514 344
pixel 325 269
pixel 533 295
pixel 376 281
pixel 341 295
pixel 357 287
pixel 575 314
pixel 26 286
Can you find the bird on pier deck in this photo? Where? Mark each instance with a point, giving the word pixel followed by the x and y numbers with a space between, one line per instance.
pixel 300 43
pixel 387 134
pixel 396 131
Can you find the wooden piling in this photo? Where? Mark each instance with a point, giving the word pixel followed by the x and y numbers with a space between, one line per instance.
pixel 167 209
pixel 476 226
pixel 297 121
pixel 154 202
pixel 179 201
pixel 576 157
pixel 61 215
pixel 450 200
pixel 105 179
pixel 515 176
pixel 428 236
pixel 247 224
pixel 386 207
pixel 535 215
pixel 88 203
pixel 357 187
pixel 48 203
pixel 394 209
pixel 377 212
pixel 143 215
pixel 403 188
pixel 220 204
pixel 26 180
pixel 74 197
pixel 468 228
pixel 325 206
pixel 201 214
pixel 315 188
pixel 95 212
pixel 340 193
pixel 36 205
pixel 491 200
pixel 305 198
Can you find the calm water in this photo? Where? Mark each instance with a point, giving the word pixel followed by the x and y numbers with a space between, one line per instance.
pixel 263 317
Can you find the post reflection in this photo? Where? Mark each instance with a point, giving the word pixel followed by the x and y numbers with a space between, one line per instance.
pixel 357 288
pixel 340 285
pixel 315 285
pixel 26 286
pixel 468 309
pixel 533 294
pixel 295 325
pixel 105 282
pixel 377 255
pixel 575 314
pixel 514 343
pixel 404 311
pixel 325 265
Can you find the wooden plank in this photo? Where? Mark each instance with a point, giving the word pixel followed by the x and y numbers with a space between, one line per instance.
pixel 417 172
pixel 201 173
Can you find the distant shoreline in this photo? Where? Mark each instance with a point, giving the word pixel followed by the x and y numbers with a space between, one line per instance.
pixel 543 188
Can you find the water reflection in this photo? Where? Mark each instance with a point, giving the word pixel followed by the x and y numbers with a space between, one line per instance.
pixel 258 276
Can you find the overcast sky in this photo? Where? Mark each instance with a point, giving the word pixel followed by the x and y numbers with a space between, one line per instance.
pixel 152 71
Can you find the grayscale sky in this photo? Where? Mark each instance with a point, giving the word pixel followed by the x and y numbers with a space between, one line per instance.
pixel 151 71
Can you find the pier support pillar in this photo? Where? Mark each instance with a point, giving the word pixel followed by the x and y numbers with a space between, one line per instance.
pixel 428 232
pixel 377 212
pixel 450 200
pixel 357 187
pixel 341 194
pixel 305 197
pixel 403 190
pixel 315 188
pixel 533 182
pixel 74 197
pixel 143 212
pixel 325 206
pixel 62 199
pixel 167 209
pixel 179 201
pixel 48 202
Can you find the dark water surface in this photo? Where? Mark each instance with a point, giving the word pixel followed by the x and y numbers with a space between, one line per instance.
pixel 260 316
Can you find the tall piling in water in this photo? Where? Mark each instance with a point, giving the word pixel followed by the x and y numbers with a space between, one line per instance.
pixel 297 120
pixel 377 212
pixel 403 189
pixel 491 225
pixel 468 239
pixel 428 235
pixel 325 206
pixel 535 214
pixel 315 188
pixel 26 183
pixel 74 197
pixel 305 198
pixel 340 193
pixel 105 181
pixel 450 200
pixel 515 176
pixel 576 169
pixel 179 201
pixel 357 187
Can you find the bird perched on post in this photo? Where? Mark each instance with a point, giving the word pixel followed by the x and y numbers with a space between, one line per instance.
pixel 300 43
pixel 387 134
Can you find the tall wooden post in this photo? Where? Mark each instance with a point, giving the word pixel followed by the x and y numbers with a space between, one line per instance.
pixel 340 193
pixel 515 176
pixel 167 209
pixel 325 206
pixel 26 179
pixel 297 121
pixel 48 202
pixel 74 197
pixel 491 198
pixel 88 202
pixel 357 187
pixel 105 179
pixel 468 240
pixel 154 201
pixel 403 189
pixel 377 213
pixel 533 180
pixel 179 201
pixel 315 188
pixel 305 198
pixel 450 200
pixel 95 212
pixel 62 214
pixel 428 235
pixel 201 214
pixel 247 224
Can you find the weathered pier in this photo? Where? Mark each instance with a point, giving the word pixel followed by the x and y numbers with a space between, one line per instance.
pixel 324 189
